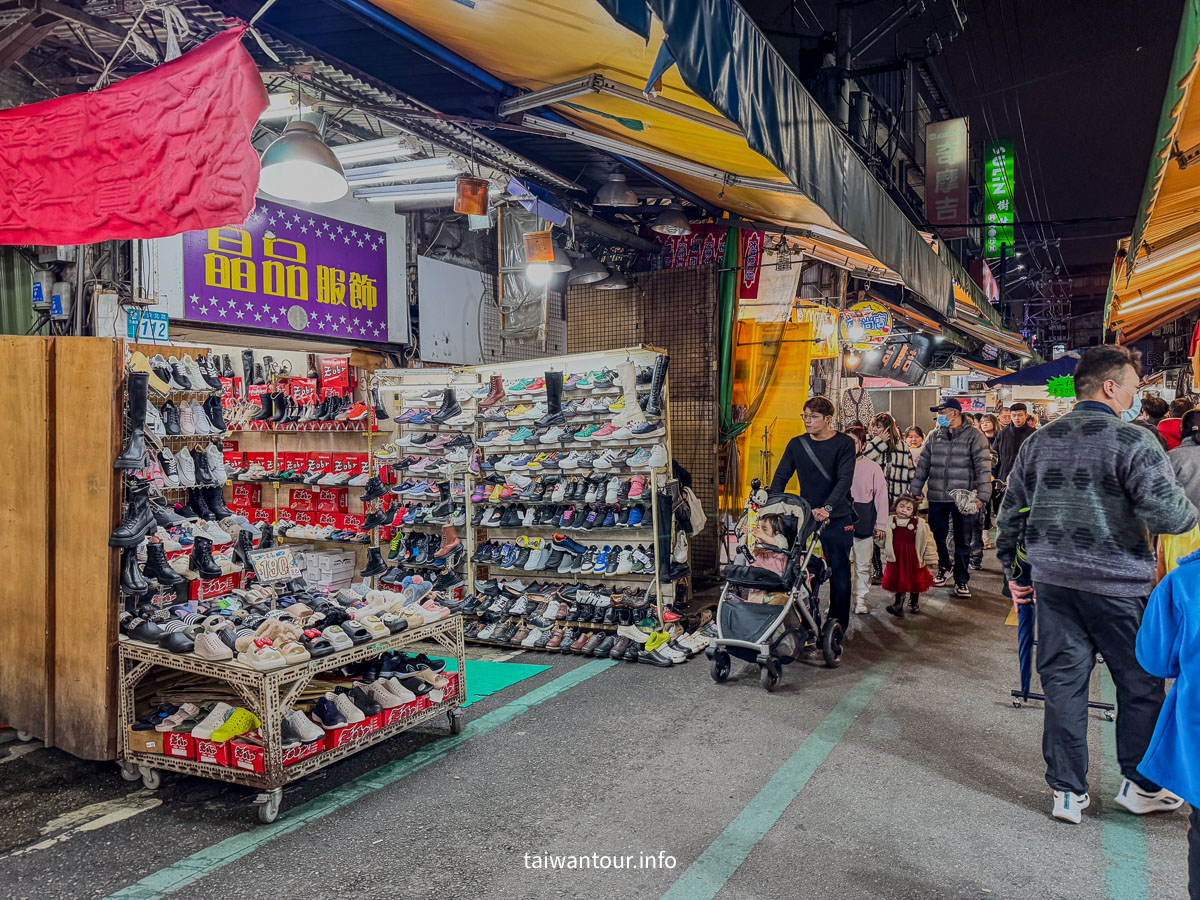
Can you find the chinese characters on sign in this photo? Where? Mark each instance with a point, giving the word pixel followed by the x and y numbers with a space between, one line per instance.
pixel 946 187
pixel 866 324
pixel 703 247
pixel 999 206
pixel 287 269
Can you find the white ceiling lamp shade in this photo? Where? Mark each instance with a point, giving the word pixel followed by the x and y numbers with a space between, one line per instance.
pixel 587 270
pixel 368 151
pixel 671 221
pixel 299 166
pixel 539 273
pixel 614 282
pixel 615 192
pixel 408 170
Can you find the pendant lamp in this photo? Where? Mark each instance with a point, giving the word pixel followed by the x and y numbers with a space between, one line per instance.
pixel 671 221
pixel 299 166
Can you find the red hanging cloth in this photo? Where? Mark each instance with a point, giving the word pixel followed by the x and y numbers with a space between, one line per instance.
pixel 157 154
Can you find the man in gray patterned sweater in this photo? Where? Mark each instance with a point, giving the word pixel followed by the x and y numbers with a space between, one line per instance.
pixel 1086 496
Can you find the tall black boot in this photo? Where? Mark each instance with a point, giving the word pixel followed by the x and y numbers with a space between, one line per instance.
pixel 654 402
pixel 157 566
pixel 267 536
pixel 267 410
pixel 196 501
pixel 204 474
pixel 216 415
pixel 242 548
pixel 375 564
pixel 131 575
pixel 201 561
pixel 312 366
pixel 247 371
pixel 450 407
pixel 133 455
pixel 380 413
pixel 280 401
pixel 554 390
pixel 226 366
pixel 258 374
pixel 138 521
pixel 215 498
pixel 445 507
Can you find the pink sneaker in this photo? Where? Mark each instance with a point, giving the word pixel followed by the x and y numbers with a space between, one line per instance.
pixel 603 431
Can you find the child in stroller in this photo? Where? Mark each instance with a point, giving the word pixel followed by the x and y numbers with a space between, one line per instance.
pixel 768 611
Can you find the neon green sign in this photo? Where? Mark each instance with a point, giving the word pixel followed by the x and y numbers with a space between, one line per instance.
pixel 999 200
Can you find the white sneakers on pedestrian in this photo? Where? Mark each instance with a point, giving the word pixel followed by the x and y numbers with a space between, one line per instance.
pixel 1069 807
pixel 860 608
pixel 1140 802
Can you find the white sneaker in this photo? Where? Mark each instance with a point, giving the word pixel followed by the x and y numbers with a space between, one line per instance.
pixel 195 376
pixel 1140 802
pixel 559 492
pixel 216 464
pixel 457 455
pixel 860 609
pixel 570 461
pixel 658 457
pixel 553 435
pixel 620 436
pixel 360 479
pixel 154 421
pixel 186 467
pixel 346 707
pixel 212 721
pixel 534 636
pixel 203 426
pixel 214 531
pixel 1069 807
pixel 256 472
pixel 624 562
pixel 463 421
pixel 610 493
pixel 306 728
pixel 187 420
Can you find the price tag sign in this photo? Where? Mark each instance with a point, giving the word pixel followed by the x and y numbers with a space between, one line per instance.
pixel 275 564
pixel 148 325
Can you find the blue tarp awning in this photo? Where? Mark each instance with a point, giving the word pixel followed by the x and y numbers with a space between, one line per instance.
pixel 1040 374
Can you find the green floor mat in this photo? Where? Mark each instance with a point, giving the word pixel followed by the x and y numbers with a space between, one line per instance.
pixel 485 678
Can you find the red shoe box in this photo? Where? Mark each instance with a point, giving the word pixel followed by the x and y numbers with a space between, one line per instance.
pixel 261 514
pixel 335 372
pixel 266 460
pixel 293 460
pixel 234 459
pixel 320 461
pixel 210 752
pixel 328 518
pixel 304 390
pixel 233 390
pixel 249 757
pixel 400 713
pixel 247 494
pixel 327 392
pixel 293 755
pixel 333 499
pixel 452 688
pixel 180 746
pixel 336 737
pixel 351 521
pixel 349 462
pixel 302 498
pixel 214 587
pixel 304 517
pixel 255 392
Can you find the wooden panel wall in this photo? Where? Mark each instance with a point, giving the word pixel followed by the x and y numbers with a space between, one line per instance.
pixel 86 507
pixel 26 595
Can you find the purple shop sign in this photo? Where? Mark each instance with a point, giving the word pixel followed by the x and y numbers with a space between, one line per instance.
pixel 290 270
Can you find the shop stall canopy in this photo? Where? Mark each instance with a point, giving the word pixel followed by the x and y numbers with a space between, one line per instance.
pixel 1038 375
pixel 1156 273
pixel 690 89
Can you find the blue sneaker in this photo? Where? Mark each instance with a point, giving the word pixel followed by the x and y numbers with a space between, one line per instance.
pixel 420 418
pixel 610 517
pixel 508 556
pixel 410 516
pixel 635 516
pixel 601 559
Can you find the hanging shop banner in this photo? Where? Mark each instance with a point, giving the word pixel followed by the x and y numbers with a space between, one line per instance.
pixel 157 154
pixel 751 258
pixel 291 270
pixel 999 197
pixel 901 358
pixel 981 272
pixel 703 247
pixel 947 198
pixel 824 320
pixel 866 324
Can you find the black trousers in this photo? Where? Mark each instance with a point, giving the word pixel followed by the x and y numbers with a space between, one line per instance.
pixel 1073 626
pixel 941 516
pixel 837 540
pixel 1194 856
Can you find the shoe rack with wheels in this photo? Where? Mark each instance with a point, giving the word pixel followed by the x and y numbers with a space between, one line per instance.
pixel 270 695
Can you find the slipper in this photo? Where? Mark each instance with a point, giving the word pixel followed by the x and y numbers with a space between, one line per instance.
pixel 177 642
pixel 356 632
pixel 294 652
pixel 414 615
pixel 239 722
pixel 375 627
pixel 338 637
pixel 317 644
pixel 262 656
pixel 395 623
pixel 152 721
pixel 185 712
pixel 186 726
pixel 429 677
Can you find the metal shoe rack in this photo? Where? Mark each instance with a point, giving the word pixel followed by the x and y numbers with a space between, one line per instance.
pixel 466 380
pixel 270 694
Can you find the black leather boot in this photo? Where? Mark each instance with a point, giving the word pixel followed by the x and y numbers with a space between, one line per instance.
pixel 267 410
pixel 554 390
pixel 247 370
pixel 204 474
pixel 196 502
pixel 226 367
pixel 280 401
pixel 157 566
pixel 242 548
pixel 138 521
pixel 216 415
pixel 375 564
pixel 131 575
pixel 267 538
pixel 654 402
pixel 201 561
pixel 450 407
pixel 380 413
pixel 312 366
pixel 215 498
pixel 133 455
pixel 445 508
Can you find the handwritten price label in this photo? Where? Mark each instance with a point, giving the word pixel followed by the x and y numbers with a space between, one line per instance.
pixel 275 564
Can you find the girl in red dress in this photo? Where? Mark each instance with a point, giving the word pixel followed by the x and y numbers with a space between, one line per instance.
pixel 908 552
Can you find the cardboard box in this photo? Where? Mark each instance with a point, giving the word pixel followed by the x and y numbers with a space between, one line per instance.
pixel 336 737
pixel 266 460
pixel 303 516
pixel 180 746
pixel 327 582
pixel 400 713
pixel 349 462
pixel 255 392
pixel 247 494
pixel 294 460
pixel 304 390
pixel 333 500
pixel 302 498
pixel 146 741
pixel 261 514
pixel 336 562
pixel 214 587
pixel 328 518
pixel 321 461
pixel 233 458
pixel 232 388
pixel 335 372
pixel 327 392
pixel 351 521
pixel 293 755
pixel 210 752
pixel 249 757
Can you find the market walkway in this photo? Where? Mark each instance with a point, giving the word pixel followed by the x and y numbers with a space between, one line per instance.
pixel 904 774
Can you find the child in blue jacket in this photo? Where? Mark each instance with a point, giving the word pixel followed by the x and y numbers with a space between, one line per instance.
pixel 1168 646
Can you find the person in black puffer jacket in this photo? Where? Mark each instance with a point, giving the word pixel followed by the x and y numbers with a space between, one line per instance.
pixel 955 457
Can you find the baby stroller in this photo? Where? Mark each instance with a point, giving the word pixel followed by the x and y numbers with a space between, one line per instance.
pixel 771 634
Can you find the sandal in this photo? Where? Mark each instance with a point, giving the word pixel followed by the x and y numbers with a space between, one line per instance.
pixel 338 637
pixel 181 715
pixel 356 632
pixel 294 652
pixel 262 656
pixel 374 626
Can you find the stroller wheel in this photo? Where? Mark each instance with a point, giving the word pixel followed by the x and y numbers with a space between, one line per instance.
pixel 831 642
pixel 768 677
pixel 720 667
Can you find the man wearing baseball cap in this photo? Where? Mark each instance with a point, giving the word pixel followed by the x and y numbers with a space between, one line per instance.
pixel 955 458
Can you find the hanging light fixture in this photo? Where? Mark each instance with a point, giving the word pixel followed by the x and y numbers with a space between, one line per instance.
pixel 671 221
pixel 471 195
pixel 539 273
pixel 614 282
pixel 587 270
pixel 299 166
pixel 615 192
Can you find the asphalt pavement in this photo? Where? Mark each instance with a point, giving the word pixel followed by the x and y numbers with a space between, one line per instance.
pixel 905 773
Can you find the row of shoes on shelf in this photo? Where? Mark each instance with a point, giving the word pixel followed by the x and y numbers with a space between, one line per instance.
pixel 654 457
pixel 628 643
pixel 566 517
pixel 535 554
pixel 593 432
pixel 187 374
pixel 547 602
pixel 425 549
pixel 281 409
pixel 525 487
pixel 188 467
pixel 188 418
pixel 425 441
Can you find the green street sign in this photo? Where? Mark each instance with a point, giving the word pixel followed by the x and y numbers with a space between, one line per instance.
pixel 999 197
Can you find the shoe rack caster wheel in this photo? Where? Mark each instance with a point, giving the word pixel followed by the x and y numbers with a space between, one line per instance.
pixel 768 677
pixel 268 805
pixel 831 642
pixel 719 670
pixel 1017 704
pixel 1109 716
pixel 151 778
pixel 24 736
pixel 130 772
pixel 456 721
